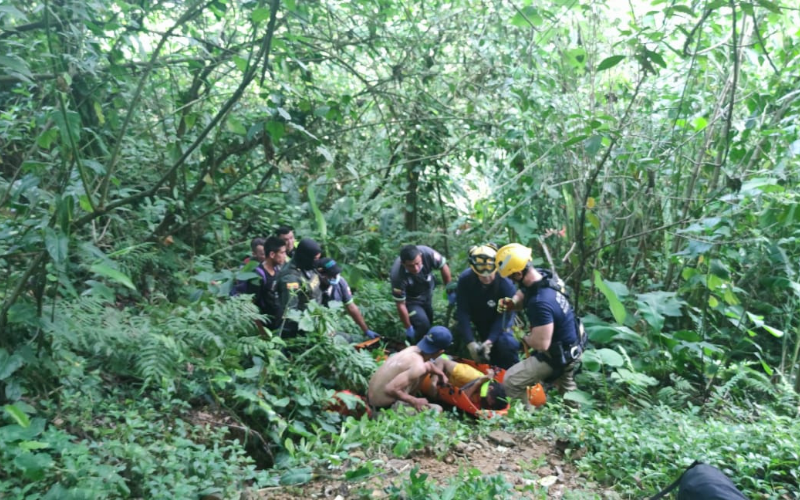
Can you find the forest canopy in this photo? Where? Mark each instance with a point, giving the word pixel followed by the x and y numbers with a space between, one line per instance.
pixel 144 144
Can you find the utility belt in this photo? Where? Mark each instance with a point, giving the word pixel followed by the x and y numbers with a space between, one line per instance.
pixel 563 354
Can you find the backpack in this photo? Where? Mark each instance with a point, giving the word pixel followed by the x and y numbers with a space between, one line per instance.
pixel 240 286
pixel 703 482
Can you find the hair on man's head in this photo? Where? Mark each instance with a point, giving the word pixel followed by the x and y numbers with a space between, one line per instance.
pixel 255 243
pixel 273 244
pixel 496 396
pixel 283 230
pixel 409 253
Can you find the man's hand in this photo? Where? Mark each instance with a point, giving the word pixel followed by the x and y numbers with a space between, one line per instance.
pixel 486 350
pixel 371 334
pixel 506 304
pixel 435 370
pixel 450 291
pixel 473 348
pixel 411 334
pixel 420 403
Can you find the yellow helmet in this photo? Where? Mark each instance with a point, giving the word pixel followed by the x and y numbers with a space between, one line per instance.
pixel 481 259
pixel 512 258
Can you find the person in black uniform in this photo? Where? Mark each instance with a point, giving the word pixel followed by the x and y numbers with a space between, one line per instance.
pixel 556 336
pixel 412 287
pixel 479 292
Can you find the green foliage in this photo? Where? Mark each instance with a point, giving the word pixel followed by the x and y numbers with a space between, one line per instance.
pixel 649 449
pixel 120 446
pixel 471 483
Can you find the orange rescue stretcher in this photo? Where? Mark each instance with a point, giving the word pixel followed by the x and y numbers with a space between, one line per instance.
pixel 454 396
pixel 447 394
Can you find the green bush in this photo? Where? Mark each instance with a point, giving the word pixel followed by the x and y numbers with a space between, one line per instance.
pixel 650 448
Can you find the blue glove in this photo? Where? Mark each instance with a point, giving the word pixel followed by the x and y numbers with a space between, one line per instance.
pixel 451 298
pixel 411 335
pixel 371 334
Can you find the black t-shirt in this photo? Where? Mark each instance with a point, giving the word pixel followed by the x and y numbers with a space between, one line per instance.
pixel 267 297
pixel 476 303
pixel 543 305
pixel 416 287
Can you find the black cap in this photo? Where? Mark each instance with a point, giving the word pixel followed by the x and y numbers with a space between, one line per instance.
pixel 328 267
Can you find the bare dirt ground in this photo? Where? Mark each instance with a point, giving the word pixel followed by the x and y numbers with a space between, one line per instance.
pixel 535 469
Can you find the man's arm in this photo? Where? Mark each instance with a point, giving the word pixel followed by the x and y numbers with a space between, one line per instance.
pixel 475 385
pixel 463 322
pixel 402 310
pixel 433 369
pixel 503 320
pixel 446 277
pixel 355 313
pixel 540 337
pixel 397 387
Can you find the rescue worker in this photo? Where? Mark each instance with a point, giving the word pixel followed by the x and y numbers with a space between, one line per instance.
pixel 335 288
pixel 477 296
pixel 266 296
pixel 393 384
pixel 555 332
pixel 412 287
pixel 298 283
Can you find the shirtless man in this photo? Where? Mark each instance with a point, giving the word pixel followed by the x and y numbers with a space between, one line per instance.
pixel 395 381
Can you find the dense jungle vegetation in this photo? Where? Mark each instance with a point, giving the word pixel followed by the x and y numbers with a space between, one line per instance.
pixel 144 143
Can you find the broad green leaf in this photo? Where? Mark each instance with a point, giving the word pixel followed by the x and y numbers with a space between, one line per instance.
pixel 770 6
pixel 18 415
pixel 9 363
pixel 33 445
pixel 228 213
pixel 774 331
pixel 261 14
pixel 235 126
pixel 580 397
pixel 592 144
pixel 241 64
pixel 15 432
pixel 606 333
pixel 46 138
pixel 656 58
pixel 83 201
pixel 70 125
pixel 275 130
pixel 617 309
pixel 112 274
pixel 33 464
pixel 57 244
pixel 609 62
pixel 528 17
pixel 610 357
pixel 321 225
pixel 574 140
pixel 17 66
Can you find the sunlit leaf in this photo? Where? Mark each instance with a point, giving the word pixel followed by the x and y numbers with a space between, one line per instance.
pixel 609 62
pixel 617 309
pixel 112 274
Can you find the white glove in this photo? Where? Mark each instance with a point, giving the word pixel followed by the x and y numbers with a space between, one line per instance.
pixel 486 349
pixel 473 348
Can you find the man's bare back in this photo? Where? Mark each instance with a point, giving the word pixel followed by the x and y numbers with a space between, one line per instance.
pixel 398 378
